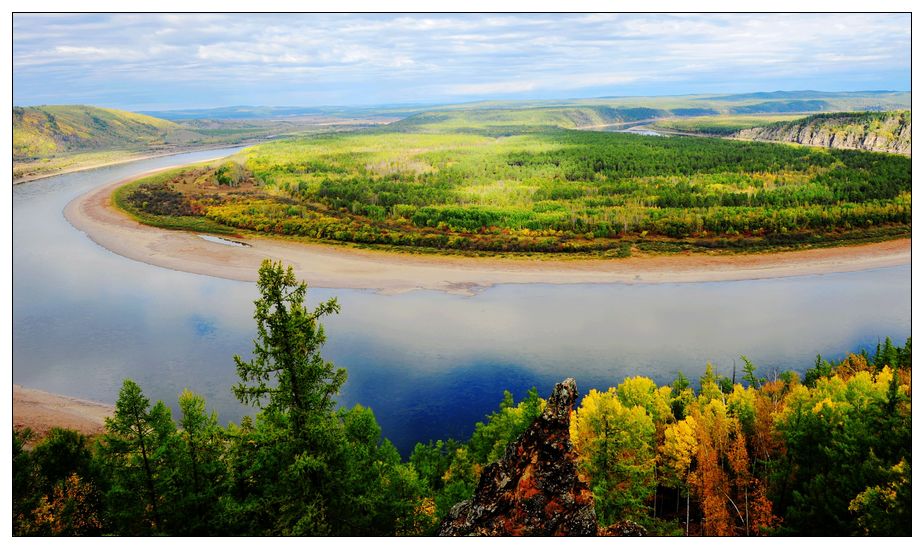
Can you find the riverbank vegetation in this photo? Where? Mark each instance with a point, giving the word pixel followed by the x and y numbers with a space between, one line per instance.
pixel 722 124
pixel 824 453
pixel 452 183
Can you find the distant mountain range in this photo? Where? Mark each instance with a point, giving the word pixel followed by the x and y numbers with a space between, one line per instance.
pixel 807 101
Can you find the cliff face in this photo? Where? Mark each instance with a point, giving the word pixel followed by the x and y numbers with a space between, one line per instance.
pixel 534 489
pixel 880 132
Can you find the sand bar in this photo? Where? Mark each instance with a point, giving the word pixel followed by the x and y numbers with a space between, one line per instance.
pixel 332 266
pixel 40 411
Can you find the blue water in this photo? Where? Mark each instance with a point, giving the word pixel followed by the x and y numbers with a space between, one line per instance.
pixel 429 364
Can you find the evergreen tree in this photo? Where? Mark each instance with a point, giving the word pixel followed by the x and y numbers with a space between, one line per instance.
pixel 134 449
pixel 287 369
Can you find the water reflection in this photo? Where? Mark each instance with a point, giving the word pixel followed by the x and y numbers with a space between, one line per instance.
pixel 429 364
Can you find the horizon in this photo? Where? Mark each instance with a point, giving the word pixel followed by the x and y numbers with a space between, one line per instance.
pixel 446 104
pixel 164 62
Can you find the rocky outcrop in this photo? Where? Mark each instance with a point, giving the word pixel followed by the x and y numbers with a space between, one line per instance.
pixel 880 132
pixel 534 489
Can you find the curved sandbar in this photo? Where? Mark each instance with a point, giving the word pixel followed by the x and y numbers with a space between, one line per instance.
pixel 332 266
pixel 40 411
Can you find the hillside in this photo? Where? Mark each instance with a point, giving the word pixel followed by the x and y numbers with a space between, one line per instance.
pixel 869 131
pixel 55 129
pixel 703 114
pixel 501 121
pixel 57 138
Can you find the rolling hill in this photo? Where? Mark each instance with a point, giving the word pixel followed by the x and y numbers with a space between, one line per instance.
pixel 44 131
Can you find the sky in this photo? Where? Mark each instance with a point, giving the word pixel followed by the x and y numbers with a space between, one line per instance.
pixel 176 61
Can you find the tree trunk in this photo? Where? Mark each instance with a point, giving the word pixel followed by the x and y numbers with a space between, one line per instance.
pixel 149 479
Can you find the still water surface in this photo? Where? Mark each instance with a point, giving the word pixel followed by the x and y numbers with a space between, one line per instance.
pixel 429 364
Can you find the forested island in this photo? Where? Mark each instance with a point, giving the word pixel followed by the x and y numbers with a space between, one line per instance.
pixel 823 453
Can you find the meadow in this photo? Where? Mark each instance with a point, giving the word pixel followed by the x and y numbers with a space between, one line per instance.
pixel 501 182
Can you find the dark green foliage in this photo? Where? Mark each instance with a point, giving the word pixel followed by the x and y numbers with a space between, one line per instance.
pixel 822 369
pixel 61 453
pixel 136 454
pixel 835 453
pixel 681 395
pixel 25 482
pixel 197 474
pixel 490 439
pixel 449 470
pixel 795 105
pixel 379 491
pixel 287 374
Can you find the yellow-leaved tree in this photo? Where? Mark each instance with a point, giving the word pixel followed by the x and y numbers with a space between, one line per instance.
pixel 616 455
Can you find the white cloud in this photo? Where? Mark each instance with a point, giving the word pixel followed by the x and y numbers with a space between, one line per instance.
pixel 453 55
pixel 488 88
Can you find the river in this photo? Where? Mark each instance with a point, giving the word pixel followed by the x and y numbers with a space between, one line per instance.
pixel 429 364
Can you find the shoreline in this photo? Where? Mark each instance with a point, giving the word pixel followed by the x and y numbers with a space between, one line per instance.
pixel 132 158
pixel 332 266
pixel 41 410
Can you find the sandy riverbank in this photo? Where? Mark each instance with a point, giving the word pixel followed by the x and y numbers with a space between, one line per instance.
pixel 329 266
pixel 40 411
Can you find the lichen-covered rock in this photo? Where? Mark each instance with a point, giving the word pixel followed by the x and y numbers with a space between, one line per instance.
pixel 623 528
pixel 534 489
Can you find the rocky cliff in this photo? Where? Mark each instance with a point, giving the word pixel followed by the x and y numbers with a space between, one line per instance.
pixel 870 131
pixel 534 489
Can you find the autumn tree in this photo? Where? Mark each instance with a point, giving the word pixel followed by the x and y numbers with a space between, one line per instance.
pixel 675 456
pixel 709 479
pixel 843 439
pixel 616 453
pixel 69 511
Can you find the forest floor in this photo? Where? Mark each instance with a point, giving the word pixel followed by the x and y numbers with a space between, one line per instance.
pixel 337 266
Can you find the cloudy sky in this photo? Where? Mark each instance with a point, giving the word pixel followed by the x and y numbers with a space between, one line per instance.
pixel 181 61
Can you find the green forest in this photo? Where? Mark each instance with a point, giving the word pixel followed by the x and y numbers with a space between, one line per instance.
pixel 827 452
pixel 477 185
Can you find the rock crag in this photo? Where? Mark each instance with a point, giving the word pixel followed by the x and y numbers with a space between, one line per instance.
pixel 534 489
pixel 880 132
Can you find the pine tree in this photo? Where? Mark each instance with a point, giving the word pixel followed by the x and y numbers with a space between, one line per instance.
pixel 287 369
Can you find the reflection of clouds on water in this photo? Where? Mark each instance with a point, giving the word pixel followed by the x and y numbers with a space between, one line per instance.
pixel 202 327
pixel 428 363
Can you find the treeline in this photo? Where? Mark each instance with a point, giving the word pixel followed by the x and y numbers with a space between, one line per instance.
pixel 827 454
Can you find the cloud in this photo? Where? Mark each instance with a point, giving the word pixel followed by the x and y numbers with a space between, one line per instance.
pixel 350 58
pixel 490 88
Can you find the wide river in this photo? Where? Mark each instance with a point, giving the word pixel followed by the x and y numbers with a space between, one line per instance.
pixel 429 364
